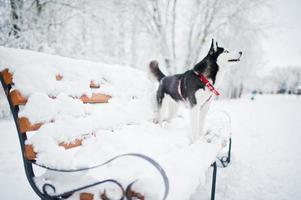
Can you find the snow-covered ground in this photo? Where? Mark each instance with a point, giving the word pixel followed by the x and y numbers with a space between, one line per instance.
pixel 266 162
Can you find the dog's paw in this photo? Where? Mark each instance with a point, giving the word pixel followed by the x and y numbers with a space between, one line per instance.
pixel 155 121
pixel 210 135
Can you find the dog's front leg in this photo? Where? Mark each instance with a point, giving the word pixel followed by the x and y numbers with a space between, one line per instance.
pixel 202 118
pixel 194 118
pixel 198 116
pixel 161 102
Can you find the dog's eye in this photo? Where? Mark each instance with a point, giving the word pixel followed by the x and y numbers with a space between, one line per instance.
pixel 226 51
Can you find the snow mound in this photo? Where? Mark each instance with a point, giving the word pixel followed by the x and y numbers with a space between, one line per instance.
pixel 124 125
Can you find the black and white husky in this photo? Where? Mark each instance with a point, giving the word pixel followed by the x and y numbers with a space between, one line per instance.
pixel 195 87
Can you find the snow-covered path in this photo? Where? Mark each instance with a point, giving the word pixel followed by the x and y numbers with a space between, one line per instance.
pixel 13 182
pixel 266 162
pixel 266 150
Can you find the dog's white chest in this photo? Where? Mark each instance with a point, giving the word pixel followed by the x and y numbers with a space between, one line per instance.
pixel 203 96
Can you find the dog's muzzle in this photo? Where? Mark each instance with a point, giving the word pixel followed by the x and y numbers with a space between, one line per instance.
pixel 236 60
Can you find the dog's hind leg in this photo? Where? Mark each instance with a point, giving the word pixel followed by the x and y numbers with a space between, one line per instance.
pixel 163 110
pixel 173 107
pixel 162 105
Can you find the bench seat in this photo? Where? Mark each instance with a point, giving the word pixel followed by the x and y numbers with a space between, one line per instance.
pixel 185 164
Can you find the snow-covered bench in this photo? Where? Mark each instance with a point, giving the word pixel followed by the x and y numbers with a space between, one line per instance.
pixel 72 115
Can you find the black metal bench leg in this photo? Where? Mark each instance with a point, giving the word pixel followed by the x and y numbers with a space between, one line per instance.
pixel 213 181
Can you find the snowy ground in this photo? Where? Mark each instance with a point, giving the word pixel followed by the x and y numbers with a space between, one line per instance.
pixel 266 160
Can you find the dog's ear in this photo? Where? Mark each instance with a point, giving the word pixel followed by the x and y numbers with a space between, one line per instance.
pixel 211 51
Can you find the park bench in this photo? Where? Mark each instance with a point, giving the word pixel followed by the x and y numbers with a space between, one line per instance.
pixel 33 154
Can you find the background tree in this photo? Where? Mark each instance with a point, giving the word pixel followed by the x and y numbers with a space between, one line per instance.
pixel 133 32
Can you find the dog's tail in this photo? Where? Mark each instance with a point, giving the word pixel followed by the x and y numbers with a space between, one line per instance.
pixel 155 70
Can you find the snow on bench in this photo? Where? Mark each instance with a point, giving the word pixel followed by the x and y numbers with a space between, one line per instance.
pixel 77 114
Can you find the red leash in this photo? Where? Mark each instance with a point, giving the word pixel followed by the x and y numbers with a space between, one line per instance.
pixel 207 83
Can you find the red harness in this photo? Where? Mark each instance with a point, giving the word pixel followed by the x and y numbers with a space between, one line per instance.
pixel 180 91
pixel 204 80
pixel 207 83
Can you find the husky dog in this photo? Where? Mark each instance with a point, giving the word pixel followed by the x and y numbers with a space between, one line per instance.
pixel 194 87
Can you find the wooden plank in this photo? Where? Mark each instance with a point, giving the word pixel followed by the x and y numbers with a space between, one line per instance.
pixel 86 196
pixel 135 195
pixel 17 98
pixel 94 85
pixel 76 143
pixel 96 98
pixel 29 152
pixel 7 77
pixel 58 77
pixel 26 126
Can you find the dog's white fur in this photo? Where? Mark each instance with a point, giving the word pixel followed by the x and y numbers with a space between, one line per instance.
pixel 199 112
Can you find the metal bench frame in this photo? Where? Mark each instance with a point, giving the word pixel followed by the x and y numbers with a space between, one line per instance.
pixel 49 190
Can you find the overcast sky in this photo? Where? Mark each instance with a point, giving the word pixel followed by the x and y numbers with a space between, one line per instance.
pixel 282 42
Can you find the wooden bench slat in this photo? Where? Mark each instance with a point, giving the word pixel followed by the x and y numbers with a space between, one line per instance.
pixel 17 98
pixel 96 98
pixel 76 143
pixel 30 154
pixel 26 126
pixel 135 195
pixel 7 77
pixel 58 77
pixel 94 85
pixel 86 196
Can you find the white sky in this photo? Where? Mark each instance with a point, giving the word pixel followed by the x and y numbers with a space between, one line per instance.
pixel 282 42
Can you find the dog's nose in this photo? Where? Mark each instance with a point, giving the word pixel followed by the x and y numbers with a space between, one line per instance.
pixel 240 53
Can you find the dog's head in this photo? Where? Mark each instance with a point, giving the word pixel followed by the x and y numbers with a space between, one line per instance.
pixel 217 59
pixel 223 56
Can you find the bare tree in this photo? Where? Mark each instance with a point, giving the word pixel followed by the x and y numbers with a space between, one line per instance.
pixel 159 18
pixel 16 17
pixel 207 18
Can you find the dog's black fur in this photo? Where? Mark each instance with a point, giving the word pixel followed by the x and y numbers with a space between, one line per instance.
pixel 190 82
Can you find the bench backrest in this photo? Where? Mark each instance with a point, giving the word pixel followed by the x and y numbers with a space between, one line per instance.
pixel 24 126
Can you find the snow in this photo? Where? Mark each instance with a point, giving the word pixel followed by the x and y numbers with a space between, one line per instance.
pixel 77 75
pixel 266 162
pixel 37 103
pixel 124 125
